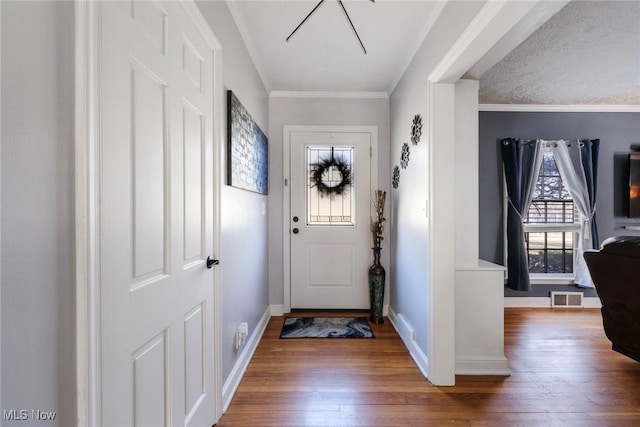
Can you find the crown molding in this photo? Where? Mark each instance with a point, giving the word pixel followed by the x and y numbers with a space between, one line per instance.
pixel 241 24
pixel 542 108
pixel 329 95
pixel 433 17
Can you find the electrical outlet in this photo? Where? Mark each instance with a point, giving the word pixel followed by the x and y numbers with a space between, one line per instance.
pixel 241 335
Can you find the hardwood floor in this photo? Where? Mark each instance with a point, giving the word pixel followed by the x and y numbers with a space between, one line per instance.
pixel 564 373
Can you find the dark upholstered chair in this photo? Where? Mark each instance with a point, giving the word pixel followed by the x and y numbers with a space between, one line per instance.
pixel 615 270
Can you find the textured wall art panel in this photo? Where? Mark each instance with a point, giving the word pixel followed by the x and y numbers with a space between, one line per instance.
pixel 247 149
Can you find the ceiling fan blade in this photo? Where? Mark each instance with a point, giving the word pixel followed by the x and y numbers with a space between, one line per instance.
pixel 352 26
pixel 304 20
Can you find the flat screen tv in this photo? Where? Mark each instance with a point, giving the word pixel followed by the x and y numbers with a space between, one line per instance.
pixel 634 185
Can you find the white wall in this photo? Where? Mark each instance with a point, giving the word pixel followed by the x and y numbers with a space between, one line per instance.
pixel 243 257
pixel 38 347
pixel 410 225
pixel 316 111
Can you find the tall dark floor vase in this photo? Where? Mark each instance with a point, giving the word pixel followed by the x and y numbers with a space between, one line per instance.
pixel 376 288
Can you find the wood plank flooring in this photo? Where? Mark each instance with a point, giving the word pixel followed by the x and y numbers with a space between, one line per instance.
pixel 564 373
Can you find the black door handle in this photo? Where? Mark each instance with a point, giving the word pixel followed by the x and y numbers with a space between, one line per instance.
pixel 295 231
pixel 212 262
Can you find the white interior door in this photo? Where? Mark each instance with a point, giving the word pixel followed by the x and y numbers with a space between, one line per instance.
pixel 329 223
pixel 156 209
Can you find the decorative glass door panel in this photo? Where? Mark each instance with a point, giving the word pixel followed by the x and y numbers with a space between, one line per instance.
pixel 331 188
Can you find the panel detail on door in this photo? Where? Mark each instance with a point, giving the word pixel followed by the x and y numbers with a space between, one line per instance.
pixel 330 265
pixel 153 20
pixel 150 383
pixel 194 357
pixel 192 63
pixel 193 147
pixel 149 201
pixel 157 180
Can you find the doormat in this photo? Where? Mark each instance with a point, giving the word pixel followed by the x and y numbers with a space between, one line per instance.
pixel 326 327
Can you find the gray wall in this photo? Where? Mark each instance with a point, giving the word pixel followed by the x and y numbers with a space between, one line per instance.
pixel 409 227
pixel 38 341
pixel 616 132
pixel 309 111
pixel 243 258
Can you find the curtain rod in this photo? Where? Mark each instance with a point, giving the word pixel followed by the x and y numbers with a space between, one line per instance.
pixel 545 142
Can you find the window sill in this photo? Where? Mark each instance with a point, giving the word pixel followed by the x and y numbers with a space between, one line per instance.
pixel 550 279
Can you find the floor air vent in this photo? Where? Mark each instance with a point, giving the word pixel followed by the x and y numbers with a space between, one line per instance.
pixel 567 299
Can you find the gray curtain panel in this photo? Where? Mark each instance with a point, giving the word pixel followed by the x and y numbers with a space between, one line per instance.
pixel 521 160
pixel 589 149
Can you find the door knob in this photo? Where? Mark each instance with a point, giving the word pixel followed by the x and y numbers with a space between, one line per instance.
pixel 295 231
pixel 212 262
pixel 295 219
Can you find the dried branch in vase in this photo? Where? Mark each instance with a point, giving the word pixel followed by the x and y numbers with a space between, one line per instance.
pixel 377 223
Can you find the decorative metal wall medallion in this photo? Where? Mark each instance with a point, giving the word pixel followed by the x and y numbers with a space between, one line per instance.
pixel 395 180
pixel 404 157
pixel 416 129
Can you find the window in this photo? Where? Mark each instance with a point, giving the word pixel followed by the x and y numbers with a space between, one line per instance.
pixel 330 190
pixel 551 225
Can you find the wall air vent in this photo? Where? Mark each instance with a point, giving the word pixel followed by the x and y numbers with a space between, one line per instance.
pixel 567 299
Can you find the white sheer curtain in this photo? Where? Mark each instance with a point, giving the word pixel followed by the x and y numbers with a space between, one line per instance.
pixel 567 157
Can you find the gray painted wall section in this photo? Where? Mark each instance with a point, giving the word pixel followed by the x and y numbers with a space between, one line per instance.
pixel 616 132
pixel 38 340
pixel 309 111
pixel 243 258
pixel 409 226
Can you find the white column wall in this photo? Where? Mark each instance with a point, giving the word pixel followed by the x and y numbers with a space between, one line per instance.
pixel 479 311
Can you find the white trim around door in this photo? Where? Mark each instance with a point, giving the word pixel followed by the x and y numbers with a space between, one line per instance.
pixel 87 197
pixel 0 202
pixel 286 204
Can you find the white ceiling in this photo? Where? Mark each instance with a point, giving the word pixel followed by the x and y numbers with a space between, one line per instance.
pixel 324 55
pixel 588 53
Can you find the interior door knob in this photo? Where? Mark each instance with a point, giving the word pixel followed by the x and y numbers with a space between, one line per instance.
pixel 212 262
pixel 295 231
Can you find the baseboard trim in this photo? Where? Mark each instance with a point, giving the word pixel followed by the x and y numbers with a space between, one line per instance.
pixel 538 108
pixel 233 381
pixel 482 366
pixel 545 302
pixel 276 309
pixel 421 359
pixel 591 302
pixel 406 333
pixel 402 327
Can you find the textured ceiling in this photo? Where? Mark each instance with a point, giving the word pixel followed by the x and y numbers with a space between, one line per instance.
pixel 588 53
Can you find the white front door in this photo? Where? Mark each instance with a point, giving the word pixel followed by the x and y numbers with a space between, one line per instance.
pixel 330 190
pixel 156 210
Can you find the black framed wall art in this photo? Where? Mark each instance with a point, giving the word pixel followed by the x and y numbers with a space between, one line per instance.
pixel 247 149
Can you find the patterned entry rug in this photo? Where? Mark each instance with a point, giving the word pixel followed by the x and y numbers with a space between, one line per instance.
pixel 326 327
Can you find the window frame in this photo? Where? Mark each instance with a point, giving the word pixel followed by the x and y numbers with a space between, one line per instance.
pixel 568 227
